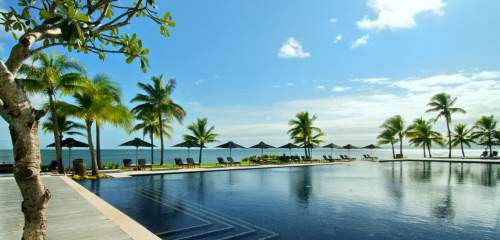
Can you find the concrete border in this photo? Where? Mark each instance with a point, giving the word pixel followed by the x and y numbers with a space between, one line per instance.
pixel 124 174
pixel 446 160
pixel 135 230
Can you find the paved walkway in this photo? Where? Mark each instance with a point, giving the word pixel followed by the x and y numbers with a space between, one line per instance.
pixel 123 174
pixel 74 214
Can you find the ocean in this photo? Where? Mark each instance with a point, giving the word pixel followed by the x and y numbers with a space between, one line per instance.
pixel 210 154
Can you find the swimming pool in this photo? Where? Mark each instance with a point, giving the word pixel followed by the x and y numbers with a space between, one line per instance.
pixel 359 200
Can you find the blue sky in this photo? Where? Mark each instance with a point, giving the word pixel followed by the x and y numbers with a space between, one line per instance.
pixel 249 66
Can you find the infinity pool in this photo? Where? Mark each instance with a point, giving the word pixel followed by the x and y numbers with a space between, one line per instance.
pixel 359 200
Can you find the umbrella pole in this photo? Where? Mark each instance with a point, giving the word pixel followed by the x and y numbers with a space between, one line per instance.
pixel 137 157
pixel 69 158
pixel 230 152
pixel 189 152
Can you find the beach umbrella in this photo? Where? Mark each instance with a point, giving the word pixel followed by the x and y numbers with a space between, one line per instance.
pixel 371 147
pixel 331 146
pixel 230 145
pixel 349 147
pixel 137 142
pixel 188 145
pixel 70 143
pixel 262 145
pixel 290 146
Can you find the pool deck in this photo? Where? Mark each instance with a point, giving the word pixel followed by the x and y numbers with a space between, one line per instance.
pixel 73 213
pixel 444 160
pixel 124 174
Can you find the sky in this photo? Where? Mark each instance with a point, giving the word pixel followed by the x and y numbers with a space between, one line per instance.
pixel 250 66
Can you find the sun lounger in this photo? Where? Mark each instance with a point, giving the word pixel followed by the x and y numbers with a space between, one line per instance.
pixel 331 159
pixel 127 163
pixel 179 163
pixel 232 162
pixel 143 165
pixel 220 162
pixel 484 154
pixel 191 163
pixel 494 154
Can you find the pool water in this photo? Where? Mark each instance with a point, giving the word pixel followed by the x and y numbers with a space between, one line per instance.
pixel 359 200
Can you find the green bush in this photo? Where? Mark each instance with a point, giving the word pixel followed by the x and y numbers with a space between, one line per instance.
pixel 111 165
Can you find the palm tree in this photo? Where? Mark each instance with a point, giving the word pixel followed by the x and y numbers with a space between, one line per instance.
pixel 157 100
pixel 485 131
pixel 116 114
pixel 66 127
pixel 96 101
pixel 150 126
pixel 444 105
pixel 396 125
pixel 201 134
pixel 52 75
pixel 304 133
pixel 388 137
pixel 462 136
pixel 420 133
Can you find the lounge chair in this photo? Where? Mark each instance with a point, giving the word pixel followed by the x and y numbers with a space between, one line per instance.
pixel 143 165
pixel 191 163
pixel 484 154
pixel 325 158
pixel 127 164
pixel 331 159
pixel 220 162
pixel 494 154
pixel 372 157
pixel 179 163
pixel 232 162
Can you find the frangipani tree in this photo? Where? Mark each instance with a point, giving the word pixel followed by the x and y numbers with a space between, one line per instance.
pixel 87 26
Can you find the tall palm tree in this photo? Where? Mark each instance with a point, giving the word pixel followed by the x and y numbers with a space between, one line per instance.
pixel 52 75
pixel 95 101
pixel 484 130
pixel 116 113
pixel 462 136
pixel 443 104
pixel 304 132
pixel 201 134
pixel 396 125
pixel 157 100
pixel 420 133
pixel 388 137
pixel 150 126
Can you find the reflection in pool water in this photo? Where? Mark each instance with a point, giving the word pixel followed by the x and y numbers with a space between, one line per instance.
pixel 360 200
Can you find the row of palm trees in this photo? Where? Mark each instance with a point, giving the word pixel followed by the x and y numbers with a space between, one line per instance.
pixel 420 132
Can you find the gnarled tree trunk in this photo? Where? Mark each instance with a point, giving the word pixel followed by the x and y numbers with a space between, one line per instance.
pixel 22 118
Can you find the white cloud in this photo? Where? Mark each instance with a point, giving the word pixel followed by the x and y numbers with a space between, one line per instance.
pixel 290 84
pixel 292 49
pixel 338 38
pixel 321 87
pixel 199 82
pixel 398 14
pixel 374 80
pixel 333 20
pixel 340 89
pixel 360 41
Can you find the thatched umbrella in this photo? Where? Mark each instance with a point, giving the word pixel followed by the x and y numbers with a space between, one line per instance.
pixel 331 146
pixel 371 147
pixel 70 143
pixel 290 146
pixel 230 145
pixel 349 147
pixel 188 145
pixel 137 142
pixel 262 146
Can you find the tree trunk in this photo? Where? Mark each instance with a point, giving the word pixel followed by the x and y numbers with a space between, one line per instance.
pixel 393 152
pixel 161 138
pixel 401 144
pixel 449 134
pixel 152 148
pixel 424 151
pixel 489 145
pixel 199 157
pixel 305 150
pixel 95 169
pixel 98 145
pixel 55 126
pixel 462 148
pixel 429 149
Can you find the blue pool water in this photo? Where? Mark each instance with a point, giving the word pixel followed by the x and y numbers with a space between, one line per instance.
pixel 359 200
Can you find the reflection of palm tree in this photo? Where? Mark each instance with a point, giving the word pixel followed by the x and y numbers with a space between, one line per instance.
pixel 462 136
pixel 157 100
pixel 201 134
pixel 52 75
pixel 301 183
pixel 420 133
pixel 444 105
pixel 396 125
pixel 445 208
pixel 304 133
pixel 484 130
